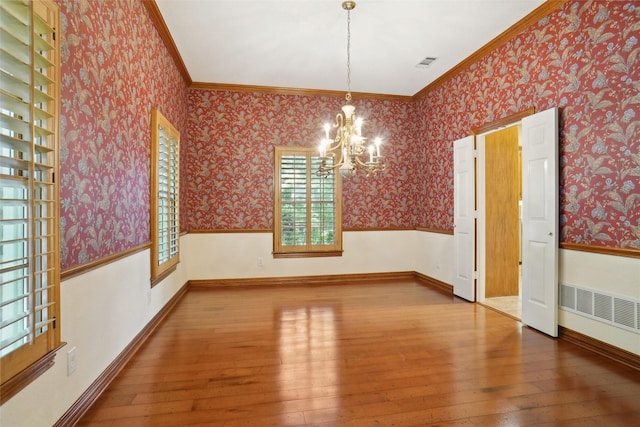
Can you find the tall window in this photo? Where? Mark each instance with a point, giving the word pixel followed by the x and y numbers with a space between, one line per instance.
pixel 29 219
pixel 165 182
pixel 308 208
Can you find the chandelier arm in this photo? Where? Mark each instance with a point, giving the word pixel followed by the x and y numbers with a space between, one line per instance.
pixel 375 166
pixel 326 169
pixel 363 164
pixel 332 167
pixel 339 123
pixel 361 149
pixel 336 146
pixel 337 140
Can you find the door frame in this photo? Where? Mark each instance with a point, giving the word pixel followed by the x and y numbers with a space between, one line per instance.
pixel 540 259
pixel 480 133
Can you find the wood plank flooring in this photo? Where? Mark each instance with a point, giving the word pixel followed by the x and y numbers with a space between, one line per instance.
pixel 379 354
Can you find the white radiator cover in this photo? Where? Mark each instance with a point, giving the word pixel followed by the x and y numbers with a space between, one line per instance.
pixel 609 308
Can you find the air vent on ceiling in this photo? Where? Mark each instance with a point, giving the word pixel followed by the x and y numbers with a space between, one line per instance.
pixel 426 62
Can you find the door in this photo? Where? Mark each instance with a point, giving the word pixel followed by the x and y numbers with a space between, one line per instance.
pixel 540 221
pixel 464 218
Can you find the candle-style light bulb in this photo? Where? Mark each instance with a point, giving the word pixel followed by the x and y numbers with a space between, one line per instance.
pixel 371 153
pixel 378 141
pixel 327 127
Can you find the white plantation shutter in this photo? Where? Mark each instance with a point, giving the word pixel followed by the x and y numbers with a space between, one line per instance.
pixel 174 173
pixel 307 206
pixel 29 265
pixel 165 226
pixel 293 199
pixel 323 206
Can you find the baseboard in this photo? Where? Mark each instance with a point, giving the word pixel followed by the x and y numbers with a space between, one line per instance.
pixel 434 283
pixel 302 280
pixel 609 351
pixel 91 394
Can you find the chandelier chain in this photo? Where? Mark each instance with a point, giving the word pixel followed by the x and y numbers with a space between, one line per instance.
pixel 349 51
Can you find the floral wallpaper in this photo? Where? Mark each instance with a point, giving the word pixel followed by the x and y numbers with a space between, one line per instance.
pixel 582 58
pixel 114 68
pixel 229 159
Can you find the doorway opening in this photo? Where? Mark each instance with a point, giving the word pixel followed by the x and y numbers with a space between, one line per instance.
pixel 536 220
pixel 502 191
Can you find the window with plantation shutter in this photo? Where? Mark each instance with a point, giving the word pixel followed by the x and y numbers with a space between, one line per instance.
pixel 165 181
pixel 308 208
pixel 29 221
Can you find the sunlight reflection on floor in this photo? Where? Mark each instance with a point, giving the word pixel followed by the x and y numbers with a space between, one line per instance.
pixel 308 377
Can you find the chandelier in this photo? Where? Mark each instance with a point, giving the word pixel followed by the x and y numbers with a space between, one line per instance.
pixel 348 149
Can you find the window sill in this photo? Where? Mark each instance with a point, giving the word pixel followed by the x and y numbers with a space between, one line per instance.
pixel 15 384
pixel 155 280
pixel 308 254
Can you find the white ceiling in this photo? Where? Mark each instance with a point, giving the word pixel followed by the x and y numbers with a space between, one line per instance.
pixel 302 44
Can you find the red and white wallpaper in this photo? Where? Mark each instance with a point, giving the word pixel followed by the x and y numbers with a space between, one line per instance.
pixel 584 59
pixel 114 69
pixel 229 163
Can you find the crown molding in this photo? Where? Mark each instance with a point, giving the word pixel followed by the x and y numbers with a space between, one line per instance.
pixel 294 91
pixel 165 35
pixel 154 12
pixel 540 12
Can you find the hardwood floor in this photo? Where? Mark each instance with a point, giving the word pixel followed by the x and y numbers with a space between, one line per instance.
pixel 379 354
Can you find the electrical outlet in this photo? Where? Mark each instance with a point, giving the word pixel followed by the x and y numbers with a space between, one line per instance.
pixel 260 261
pixel 72 361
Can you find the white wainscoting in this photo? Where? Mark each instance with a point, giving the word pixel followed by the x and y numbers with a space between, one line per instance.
pixel 235 256
pixel 102 311
pixel 607 273
pixel 434 255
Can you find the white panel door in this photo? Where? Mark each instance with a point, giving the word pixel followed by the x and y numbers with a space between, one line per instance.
pixel 540 221
pixel 464 218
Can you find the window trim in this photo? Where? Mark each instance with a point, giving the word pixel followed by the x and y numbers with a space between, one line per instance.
pixel 160 270
pixel 40 20
pixel 309 250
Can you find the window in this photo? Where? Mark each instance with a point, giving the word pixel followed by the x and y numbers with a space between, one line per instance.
pixel 165 182
pixel 308 208
pixel 29 221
